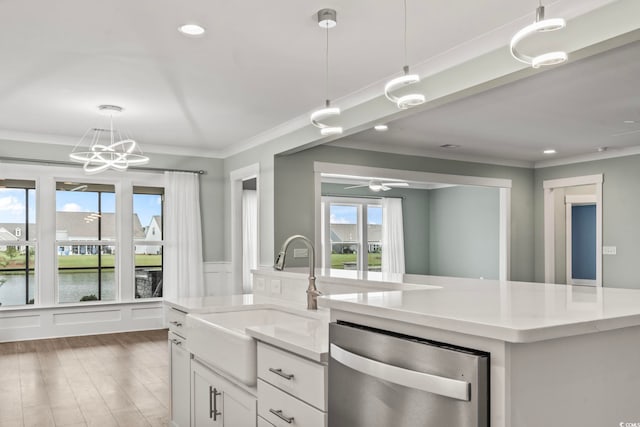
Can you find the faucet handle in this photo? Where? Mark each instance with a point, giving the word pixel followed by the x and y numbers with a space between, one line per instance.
pixel 279 264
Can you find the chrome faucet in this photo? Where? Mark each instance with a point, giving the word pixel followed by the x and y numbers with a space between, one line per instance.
pixel 312 291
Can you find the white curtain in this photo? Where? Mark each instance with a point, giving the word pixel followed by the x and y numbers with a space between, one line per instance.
pixel 392 236
pixel 182 236
pixel 249 237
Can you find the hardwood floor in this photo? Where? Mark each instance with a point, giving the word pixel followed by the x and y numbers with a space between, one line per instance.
pixel 99 380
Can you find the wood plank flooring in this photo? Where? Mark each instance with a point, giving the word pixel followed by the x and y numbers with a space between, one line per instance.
pixel 100 380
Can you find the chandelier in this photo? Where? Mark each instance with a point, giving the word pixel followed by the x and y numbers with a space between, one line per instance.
pixel 101 149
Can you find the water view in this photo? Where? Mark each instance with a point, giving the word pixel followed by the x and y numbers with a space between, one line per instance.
pixel 73 286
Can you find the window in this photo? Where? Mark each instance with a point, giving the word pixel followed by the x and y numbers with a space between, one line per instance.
pixel 147 239
pixel 17 242
pixel 352 233
pixel 86 242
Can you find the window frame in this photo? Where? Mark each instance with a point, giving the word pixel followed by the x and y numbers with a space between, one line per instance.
pixel 28 242
pixel 45 176
pixel 152 242
pixel 362 204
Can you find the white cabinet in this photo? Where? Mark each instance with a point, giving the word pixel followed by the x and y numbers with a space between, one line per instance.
pixel 179 362
pixel 216 401
pixel 292 390
pixel 179 369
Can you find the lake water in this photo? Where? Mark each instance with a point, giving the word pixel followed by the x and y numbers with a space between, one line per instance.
pixel 72 287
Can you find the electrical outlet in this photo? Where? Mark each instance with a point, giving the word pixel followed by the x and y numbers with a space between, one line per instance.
pixel 301 253
pixel 259 285
pixel 275 287
pixel 608 250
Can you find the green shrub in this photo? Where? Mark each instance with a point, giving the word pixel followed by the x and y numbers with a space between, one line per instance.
pixel 91 297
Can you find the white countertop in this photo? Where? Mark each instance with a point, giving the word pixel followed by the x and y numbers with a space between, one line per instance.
pixel 308 338
pixel 515 312
pixel 508 311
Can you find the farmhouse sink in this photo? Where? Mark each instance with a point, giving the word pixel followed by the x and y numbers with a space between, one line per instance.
pixel 220 338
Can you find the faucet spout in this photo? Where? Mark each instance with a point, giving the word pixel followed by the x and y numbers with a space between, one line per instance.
pixel 312 291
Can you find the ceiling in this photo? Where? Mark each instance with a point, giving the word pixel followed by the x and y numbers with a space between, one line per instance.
pixel 576 109
pixel 258 68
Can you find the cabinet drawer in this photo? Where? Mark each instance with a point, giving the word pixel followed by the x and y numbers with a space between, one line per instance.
pixel 283 410
pixel 176 320
pixel 295 375
pixel 178 340
pixel 264 423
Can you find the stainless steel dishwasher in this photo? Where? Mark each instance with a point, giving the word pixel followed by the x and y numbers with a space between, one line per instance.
pixel 380 378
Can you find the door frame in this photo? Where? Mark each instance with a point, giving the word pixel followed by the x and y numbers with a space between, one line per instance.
pixel 549 223
pixel 236 177
pixel 570 201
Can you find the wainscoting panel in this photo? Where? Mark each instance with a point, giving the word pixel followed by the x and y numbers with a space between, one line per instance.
pixel 26 323
pixel 218 278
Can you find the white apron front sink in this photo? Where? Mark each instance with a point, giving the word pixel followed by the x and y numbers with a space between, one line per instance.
pixel 220 339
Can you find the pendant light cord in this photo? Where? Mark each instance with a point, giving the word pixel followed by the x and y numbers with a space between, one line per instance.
pixel 405 32
pixel 327 68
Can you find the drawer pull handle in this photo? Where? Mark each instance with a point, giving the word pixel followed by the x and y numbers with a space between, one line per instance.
pixel 279 414
pixel 280 373
pixel 176 323
pixel 176 342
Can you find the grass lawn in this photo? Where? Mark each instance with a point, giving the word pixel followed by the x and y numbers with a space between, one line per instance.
pixel 338 260
pixel 71 261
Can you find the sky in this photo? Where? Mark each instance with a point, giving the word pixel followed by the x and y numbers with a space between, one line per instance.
pixel 13 204
pixel 343 214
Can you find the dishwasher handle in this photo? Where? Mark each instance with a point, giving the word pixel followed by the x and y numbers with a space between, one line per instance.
pixel 455 389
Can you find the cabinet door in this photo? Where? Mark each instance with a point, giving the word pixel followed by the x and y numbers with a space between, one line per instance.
pixel 218 402
pixel 206 398
pixel 180 372
pixel 239 407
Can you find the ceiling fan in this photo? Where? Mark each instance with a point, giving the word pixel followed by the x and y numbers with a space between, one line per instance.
pixel 377 185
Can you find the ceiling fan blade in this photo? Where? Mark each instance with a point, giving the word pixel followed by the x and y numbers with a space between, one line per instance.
pixel 395 184
pixel 630 132
pixel 385 188
pixel 356 186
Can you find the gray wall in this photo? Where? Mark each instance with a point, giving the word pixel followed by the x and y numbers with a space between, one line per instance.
pixel 415 205
pixel 464 229
pixel 211 184
pixel 620 216
pixel 294 204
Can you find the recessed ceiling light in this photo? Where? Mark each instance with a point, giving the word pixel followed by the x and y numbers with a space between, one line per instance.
pixel 381 128
pixel 449 146
pixel 602 149
pixel 193 30
pixel 629 122
pixel 550 151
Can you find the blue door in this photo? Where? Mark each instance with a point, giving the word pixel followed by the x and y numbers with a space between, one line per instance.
pixel 583 242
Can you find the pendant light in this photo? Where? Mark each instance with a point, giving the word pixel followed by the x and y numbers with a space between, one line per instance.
pixel 327 18
pixel 102 149
pixel 540 25
pixel 390 89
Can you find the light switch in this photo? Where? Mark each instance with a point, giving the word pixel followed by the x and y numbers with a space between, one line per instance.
pixel 608 250
pixel 301 253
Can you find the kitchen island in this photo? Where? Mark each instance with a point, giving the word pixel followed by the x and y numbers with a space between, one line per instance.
pixel 559 355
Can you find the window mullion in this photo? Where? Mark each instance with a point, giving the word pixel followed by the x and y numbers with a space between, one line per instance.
pixel 124 232
pixel 364 238
pixel 46 254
